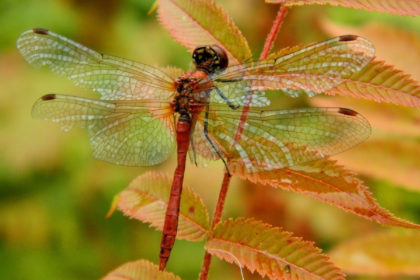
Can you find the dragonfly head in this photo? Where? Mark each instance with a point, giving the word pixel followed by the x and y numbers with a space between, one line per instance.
pixel 210 58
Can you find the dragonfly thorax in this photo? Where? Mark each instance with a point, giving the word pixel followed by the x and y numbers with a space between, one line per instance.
pixel 186 84
pixel 192 92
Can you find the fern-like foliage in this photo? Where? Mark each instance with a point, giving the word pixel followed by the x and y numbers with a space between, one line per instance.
pixel 326 181
pixel 382 254
pixel 139 270
pixel 270 251
pixel 399 7
pixel 146 199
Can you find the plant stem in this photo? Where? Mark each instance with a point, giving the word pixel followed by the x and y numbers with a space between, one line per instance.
pixel 216 219
pixel 221 200
pixel 273 32
pixel 226 178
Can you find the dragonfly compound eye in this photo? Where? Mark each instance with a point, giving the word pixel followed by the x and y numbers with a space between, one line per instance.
pixel 210 58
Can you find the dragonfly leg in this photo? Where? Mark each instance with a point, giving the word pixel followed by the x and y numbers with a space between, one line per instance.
pixel 193 150
pixel 206 117
pixel 228 102
pixel 229 80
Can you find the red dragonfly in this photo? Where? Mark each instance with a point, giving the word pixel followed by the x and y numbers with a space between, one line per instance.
pixel 144 114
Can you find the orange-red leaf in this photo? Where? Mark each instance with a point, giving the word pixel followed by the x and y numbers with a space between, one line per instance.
pixel 202 22
pixel 380 82
pixel 146 199
pixel 382 253
pixel 139 270
pixel 270 251
pixel 399 7
pixel 326 181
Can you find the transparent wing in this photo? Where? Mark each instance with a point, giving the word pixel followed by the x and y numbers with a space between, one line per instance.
pixel 114 78
pixel 314 68
pixel 236 93
pixel 279 139
pixel 122 132
pixel 200 150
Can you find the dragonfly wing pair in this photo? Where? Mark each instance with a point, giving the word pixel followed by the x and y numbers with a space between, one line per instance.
pixel 133 124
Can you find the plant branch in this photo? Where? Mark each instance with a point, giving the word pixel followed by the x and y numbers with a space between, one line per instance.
pixel 226 178
pixel 269 41
pixel 216 219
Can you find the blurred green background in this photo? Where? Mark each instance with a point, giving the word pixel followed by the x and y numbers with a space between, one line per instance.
pixel 54 195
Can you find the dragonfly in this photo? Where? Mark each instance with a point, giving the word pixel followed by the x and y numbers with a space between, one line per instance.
pixel 145 113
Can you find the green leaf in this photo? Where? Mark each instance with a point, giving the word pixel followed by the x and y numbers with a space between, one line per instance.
pixel 399 7
pixel 146 199
pixel 381 253
pixel 139 270
pixel 193 23
pixel 270 251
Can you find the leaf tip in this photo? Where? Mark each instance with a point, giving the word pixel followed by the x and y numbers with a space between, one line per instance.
pixel 113 206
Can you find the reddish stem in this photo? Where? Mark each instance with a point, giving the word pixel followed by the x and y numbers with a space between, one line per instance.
pixel 216 219
pixel 226 178
pixel 273 32
pixel 221 200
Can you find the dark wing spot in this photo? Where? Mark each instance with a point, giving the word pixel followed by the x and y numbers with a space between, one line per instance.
pixel 41 31
pixel 191 210
pixel 49 96
pixel 345 38
pixel 348 112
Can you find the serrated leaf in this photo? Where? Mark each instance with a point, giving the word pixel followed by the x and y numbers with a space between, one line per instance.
pixel 399 7
pixel 202 22
pixel 380 82
pixel 382 253
pixel 270 251
pixel 326 181
pixel 146 199
pixel 140 270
